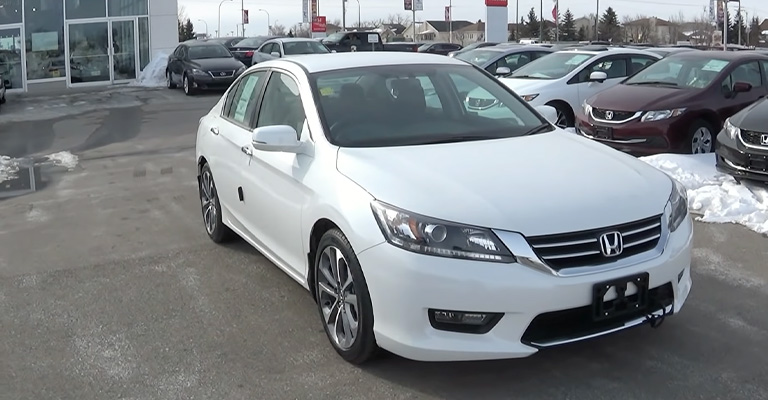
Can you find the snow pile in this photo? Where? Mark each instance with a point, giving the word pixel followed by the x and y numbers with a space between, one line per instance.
pixel 716 196
pixel 153 74
pixel 8 168
pixel 63 159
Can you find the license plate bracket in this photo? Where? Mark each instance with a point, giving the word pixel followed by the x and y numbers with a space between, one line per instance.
pixel 621 303
pixel 603 132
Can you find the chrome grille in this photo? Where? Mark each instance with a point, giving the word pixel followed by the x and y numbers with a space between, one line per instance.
pixel 222 74
pixel 614 115
pixel 582 249
pixel 754 138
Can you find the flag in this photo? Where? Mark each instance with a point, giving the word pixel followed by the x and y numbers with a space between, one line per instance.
pixel 554 11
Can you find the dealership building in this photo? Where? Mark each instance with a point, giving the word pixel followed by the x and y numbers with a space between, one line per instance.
pixel 48 45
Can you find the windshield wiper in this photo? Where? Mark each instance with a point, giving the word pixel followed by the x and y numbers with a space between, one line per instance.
pixel 541 128
pixel 526 77
pixel 458 138
pixel 654 83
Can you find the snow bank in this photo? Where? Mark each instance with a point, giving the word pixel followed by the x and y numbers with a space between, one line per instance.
pixel 716 196
pixel 153 74
pixel 63 159
pixel 8 168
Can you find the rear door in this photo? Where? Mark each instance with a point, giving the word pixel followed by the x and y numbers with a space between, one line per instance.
pixel 747 72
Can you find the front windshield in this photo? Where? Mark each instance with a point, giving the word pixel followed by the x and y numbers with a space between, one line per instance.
pixel 419 104
pixel 213 51
pixel 304 47
pixel 478 56
pixel 334 37
pixel 251 42
pixel 553 66
pixel 681 72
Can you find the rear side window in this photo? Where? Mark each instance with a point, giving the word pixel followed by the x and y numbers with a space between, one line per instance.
pixel 638 63
pixel 241 103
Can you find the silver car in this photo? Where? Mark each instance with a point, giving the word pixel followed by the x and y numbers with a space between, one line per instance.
pixel 503 60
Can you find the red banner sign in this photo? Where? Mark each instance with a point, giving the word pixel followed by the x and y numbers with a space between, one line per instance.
pixel 245 16
pixel 496 3
pixel 314 8
pixel 318 24
pixel 408 5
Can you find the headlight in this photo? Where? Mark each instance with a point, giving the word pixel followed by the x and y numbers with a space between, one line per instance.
pixel 530 97
pixel 420 234
pixel 678 205
pixel 731 130
pixel 586 108
pixel 661 114
pixel 240 70
pixel 199 71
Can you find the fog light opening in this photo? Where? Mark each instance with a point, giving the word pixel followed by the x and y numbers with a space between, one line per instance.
pixel 680 276
pixel 463 321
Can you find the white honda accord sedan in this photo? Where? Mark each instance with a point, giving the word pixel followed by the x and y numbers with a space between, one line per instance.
pixel 427 229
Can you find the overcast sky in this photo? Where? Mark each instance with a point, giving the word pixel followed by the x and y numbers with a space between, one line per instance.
pixel 288 12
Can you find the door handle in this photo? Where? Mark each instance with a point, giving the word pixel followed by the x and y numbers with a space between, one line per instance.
pixel 214 130
pixel 246 150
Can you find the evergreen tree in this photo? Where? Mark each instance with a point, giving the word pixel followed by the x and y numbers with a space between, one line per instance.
pixel 189 29
pixel 568 27
pixel 608 27
pixel 532 26
pixel 754 32
pixel 581 34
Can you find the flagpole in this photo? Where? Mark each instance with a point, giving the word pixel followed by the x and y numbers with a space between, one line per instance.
pixel 557 21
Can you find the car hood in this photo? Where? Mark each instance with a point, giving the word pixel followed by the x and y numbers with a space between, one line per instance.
pixel 642 98
pixel 208 64
pixel 526 86
pixel 541 184
pixel 752 118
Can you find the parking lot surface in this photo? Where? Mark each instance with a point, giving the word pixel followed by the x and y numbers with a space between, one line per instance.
pixel 109 288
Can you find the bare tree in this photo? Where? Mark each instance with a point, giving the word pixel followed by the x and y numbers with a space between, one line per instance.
pixel 301 30
pixel 398 18
pixel 277 30
pixel 677 25
pixel 638 29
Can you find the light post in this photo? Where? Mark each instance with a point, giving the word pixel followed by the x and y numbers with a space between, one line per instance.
pixel 269 27
pixel 359 21
pixel 218 31
pixel 206 27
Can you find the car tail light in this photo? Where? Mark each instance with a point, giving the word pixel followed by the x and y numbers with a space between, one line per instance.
pixel 249 53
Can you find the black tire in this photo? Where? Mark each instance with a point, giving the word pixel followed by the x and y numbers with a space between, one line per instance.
pixel 564 112
pixel 694 133
pixel 364 347
pixel 187 85
pixel 169 81
pixel 219 233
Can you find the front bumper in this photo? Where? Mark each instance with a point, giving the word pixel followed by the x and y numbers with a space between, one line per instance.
pixel 734 158
pixel 206 82
pixel 404 286
pixel 640 138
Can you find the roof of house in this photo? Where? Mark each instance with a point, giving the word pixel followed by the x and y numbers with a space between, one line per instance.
pixel 443 26
pixel 651 20
pixel 764 25
pixel 395 28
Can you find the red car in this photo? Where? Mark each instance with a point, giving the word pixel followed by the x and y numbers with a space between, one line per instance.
pixel 676 105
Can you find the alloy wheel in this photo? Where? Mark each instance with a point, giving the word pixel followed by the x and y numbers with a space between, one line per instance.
pixel 562 120
pixel 208 201
pixel 337 297
pixel 701 141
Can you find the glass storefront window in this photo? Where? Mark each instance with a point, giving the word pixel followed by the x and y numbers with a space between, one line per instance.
pixel 44 36
pixel 10 57
pixel 126 8
pixel 143 42
pixel 10 12
pixel 77 9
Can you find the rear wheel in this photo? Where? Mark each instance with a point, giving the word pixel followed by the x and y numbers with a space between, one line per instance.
pixel 565 117
pixel 169 80
pixel 700 138
pixel 211 208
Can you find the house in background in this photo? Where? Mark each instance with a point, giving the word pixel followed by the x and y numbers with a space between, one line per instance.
pixel 435 31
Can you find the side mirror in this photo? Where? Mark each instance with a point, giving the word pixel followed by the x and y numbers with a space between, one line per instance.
pixel 741 87
pixel 503 71
pixel 598 76
pixel 548 112
pixel 276 138
pixel 275 54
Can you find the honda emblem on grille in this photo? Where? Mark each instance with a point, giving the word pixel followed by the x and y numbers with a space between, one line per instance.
pixel 609 115
pixel 223 73
pixel 764 139
pixel 611 244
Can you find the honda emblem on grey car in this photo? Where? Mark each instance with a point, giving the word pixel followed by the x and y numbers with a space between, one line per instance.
pixel 609 115
pixel 764 139
pixel 611 244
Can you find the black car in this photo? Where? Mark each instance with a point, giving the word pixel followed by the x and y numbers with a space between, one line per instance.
pixel 343 42
pixel 439 48
pixel 741 147
pixel 244 49
pixel 201 66
pixel 228 41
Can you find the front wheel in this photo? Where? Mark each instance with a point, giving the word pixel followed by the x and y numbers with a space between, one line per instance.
pixel 700 138
pixel 188 89
pixel 565 117
pixel 342 299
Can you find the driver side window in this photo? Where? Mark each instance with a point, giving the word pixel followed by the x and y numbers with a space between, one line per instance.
pixel 282 104
pixel 613 67
pixel 267 48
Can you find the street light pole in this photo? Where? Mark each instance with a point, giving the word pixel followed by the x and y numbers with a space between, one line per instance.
pixel 359 21
pixel 343 15
pixel 206 27
pixel 597 18
pixel 450 21
pixel 218 31
pixel 517 20
pixel 269 27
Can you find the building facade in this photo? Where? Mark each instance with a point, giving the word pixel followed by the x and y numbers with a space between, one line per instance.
pixel 57 44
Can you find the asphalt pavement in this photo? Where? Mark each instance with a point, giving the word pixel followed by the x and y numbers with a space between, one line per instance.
pixel 110 289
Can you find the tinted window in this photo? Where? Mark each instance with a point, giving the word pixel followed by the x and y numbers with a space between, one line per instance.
pixel 637 63
pixel 85 9
pixel 251 42
pixel 417 104
pixel 765 68
pixel 613 67
pixel 681 72
pixel 214 51
pixel 304 47
pixel 268 48
pixel 749 73
pixel 554 66
pixel 282 103
pixel 242 101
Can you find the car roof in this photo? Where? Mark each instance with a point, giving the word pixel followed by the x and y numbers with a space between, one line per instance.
pixel 291 39
pixel 724 55
pixel 203 43
pixel 513 49
pixel 606 50
pixel 313 63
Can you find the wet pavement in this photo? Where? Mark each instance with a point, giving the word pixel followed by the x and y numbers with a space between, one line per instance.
pixel 109 288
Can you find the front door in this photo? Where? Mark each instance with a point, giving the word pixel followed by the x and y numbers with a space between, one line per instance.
pixel 102 52
pixel 12 62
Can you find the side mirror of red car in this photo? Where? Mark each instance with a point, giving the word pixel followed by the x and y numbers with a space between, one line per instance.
pixel 741 87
